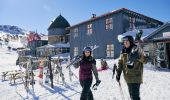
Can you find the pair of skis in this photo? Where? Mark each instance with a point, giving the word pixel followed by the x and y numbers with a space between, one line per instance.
pixel 49 73
pixel 59 72
pixel 77 58
pixel 27 75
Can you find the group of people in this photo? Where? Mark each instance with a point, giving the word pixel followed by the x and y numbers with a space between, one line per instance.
pixel 130 63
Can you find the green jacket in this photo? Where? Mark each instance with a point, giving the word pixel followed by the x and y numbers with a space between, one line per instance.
pixel 134 75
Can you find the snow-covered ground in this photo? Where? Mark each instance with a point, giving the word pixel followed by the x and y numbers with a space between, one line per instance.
pixel 156 84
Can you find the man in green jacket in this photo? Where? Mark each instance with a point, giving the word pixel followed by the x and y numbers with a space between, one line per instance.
pixel 131 63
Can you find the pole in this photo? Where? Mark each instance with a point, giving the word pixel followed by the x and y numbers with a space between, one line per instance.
pixel 121 92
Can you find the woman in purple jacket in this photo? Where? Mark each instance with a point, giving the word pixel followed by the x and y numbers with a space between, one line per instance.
pixel 87 65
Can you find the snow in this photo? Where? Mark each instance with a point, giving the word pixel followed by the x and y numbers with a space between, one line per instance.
pixel 156 84
pixel 44 37
pixel 60 45
pixel 16 44
pixel 12 30
pixel 47 46
pixel 61 56
pixel 146 32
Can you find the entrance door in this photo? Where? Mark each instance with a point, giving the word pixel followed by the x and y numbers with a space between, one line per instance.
pixel 168 53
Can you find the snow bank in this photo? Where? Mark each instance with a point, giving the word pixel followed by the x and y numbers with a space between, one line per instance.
pixel 156 84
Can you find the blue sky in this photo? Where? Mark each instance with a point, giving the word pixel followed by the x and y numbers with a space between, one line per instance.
pixel 37 14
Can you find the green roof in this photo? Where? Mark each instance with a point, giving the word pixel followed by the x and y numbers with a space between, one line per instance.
pixel 59 22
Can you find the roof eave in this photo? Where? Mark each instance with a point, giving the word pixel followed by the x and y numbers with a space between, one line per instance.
pixel 163 26
pixel 110 13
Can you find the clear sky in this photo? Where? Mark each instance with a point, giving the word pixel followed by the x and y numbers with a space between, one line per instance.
pixel 37 14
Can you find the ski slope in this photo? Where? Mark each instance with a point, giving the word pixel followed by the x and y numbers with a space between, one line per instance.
pixel 156 84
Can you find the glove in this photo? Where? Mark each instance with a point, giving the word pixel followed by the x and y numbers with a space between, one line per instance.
pixel 96 84
pixel 129 66
pixel 117 78
pixel 132 57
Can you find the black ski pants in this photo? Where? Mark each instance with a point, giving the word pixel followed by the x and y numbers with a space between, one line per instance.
pixel 134 90
pixel 86 91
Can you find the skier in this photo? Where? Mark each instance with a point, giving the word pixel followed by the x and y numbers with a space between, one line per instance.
pixel 87 65
pixel 104 65
pixel 131 63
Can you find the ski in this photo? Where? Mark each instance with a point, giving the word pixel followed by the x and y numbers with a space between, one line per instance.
pixel 51 73
pixel 27 75
pixel 46 74
pixel 77 58
pixel 23 77
pixel 74 60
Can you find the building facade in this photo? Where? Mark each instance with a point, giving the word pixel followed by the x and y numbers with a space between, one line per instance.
pixel 103 30
pixel 158 45
pixel 57 32
pixel 35 44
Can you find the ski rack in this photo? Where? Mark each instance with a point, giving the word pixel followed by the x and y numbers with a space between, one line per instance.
pixel 44 58
pixel 48 59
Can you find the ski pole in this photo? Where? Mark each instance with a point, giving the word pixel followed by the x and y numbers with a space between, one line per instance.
pixel 114 69
pixel 121 92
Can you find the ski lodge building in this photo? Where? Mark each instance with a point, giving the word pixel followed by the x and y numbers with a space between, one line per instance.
pixel 58 38
pixel 103 30
pixel 158 46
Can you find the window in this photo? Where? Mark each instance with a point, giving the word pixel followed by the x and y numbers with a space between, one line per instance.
pixel 89 29
pixel 62 39
pixel 161 50
pixel 131 23
pixel 58 50
pixel 109 23
pixel 75 51
pixel 146 49
pixel 65 50
pixel 110 50
pixel 75 32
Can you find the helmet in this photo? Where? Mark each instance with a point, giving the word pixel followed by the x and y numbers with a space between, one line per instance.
pixel 87 49
pixel 129 38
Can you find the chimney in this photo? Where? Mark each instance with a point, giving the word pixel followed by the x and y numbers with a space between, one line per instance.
pixel 93 15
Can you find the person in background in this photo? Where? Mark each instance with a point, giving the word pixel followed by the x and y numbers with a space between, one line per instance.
pixel 104 64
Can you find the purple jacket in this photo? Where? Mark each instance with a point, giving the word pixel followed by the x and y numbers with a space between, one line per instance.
pixel 85 71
